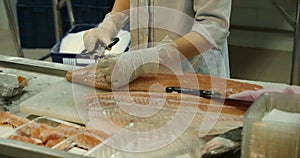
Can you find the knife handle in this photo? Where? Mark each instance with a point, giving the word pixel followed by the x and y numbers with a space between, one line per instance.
pixel 196 92
pixel 101 52
pixel 114 41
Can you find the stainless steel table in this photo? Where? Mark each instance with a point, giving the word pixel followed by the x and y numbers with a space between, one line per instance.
pixel 43 74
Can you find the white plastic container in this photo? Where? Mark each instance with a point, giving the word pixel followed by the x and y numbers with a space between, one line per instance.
pixel 272 127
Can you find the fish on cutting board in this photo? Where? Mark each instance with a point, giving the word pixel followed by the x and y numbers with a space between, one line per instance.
pixel 159 82
pixel 55 100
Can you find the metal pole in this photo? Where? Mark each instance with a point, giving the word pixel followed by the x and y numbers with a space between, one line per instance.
pixel 295 74
pixel 70 12
pixel 57 5
pixel 57 23
pixel 284 14
pixel 13 28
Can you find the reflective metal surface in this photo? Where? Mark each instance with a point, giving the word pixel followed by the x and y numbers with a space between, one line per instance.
pixel 42 67
pixel 9 148
pixel 40 75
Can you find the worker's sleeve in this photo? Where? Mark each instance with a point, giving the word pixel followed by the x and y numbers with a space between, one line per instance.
pixel 212 20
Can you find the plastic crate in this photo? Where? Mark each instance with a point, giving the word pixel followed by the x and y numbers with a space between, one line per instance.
pixel 36 26
pixel 85 15
pixel 36 21
pixel 93 3
pixel 99 3
pixel 35 2
pixel 58 56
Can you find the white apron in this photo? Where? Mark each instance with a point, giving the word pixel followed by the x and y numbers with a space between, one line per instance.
pixel 152 20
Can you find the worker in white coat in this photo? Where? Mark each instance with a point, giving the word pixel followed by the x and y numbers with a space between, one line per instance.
pixel 194 32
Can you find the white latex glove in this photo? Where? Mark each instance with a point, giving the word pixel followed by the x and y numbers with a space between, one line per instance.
pixel 124 68
pixel 100 37
pixel 251 95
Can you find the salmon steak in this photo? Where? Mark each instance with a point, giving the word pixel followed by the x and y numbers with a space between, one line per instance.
pixel 159 82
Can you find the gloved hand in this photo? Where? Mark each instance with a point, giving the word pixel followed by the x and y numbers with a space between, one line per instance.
pixel 101 36
pixel 251 95
pixel 124 68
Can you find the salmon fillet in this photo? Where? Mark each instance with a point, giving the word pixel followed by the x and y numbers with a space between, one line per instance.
pixel 159 82
pixel 12 120
pixel 112 104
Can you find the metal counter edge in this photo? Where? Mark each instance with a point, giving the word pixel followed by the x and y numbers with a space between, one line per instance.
pixel 32 65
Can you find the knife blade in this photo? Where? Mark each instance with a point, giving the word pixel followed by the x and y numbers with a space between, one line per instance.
pixel 216 96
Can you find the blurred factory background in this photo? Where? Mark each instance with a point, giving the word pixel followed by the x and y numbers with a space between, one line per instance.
pixel 260 43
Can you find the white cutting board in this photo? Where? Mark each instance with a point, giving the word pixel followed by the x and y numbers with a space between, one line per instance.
pixel 63 100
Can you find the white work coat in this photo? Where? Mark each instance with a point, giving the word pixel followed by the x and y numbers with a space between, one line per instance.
pixel 152 20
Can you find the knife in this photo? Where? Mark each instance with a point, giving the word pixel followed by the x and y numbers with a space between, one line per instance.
pixel 196 92
pixel 100 51
pixel 210 95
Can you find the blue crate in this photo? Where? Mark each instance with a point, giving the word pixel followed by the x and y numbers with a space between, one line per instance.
pixel 36 26
pixel 35 2
pixel 58 56
pixel 36 21
pixel 87 12
pixel 93 3
pixel 99 3
pixel 84 15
